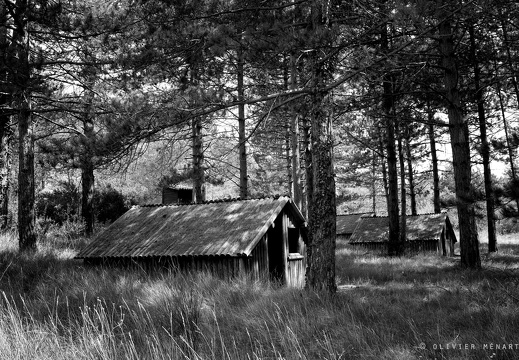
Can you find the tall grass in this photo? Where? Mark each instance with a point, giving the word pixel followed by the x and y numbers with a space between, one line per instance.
pixel 421 307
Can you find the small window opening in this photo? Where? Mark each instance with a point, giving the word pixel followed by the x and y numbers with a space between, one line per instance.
pixel 293 241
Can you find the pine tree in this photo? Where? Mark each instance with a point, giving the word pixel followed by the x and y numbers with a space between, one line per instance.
pixel 395 246
pixel 6 132
pixel 485 149
pixel 459 134
pixel 22 84
pixel 320 272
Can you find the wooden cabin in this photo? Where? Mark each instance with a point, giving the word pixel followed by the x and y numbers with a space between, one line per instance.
pixel 347 223
pixel 424 233
pixel 181 193
pixel 261 238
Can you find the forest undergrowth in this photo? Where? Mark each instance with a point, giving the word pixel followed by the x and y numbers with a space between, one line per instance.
pixel 417 307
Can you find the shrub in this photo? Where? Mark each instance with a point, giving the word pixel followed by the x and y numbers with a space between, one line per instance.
pixel 63 205
pixel 110 204
pixel 508 226
pixel 59 205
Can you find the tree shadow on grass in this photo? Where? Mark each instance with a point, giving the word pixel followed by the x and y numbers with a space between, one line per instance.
pixel 506 258
pixel 363 267
pixel 21 273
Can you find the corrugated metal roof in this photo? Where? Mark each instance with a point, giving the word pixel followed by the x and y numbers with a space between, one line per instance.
pixel 346 223
pixel 420 227
pixel 182 185
pixel 215 228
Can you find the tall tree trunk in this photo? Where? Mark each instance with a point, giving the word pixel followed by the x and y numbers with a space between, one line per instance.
pixel 198 161
pixel 309 183
pixel 87 185
pixel 6 132
pixel 485 149
pixel 297 195
pixel 434 160
pixel 383 166
pixel 242 148
pixel 394 245
pixel 22 100
pixel 26 195
pixel 87 165
pixel 320 272
pixel 403 195
pixel 511 157
pixel 459 134
pixel 6 135
pixel 510 62
pixel 374 182
pixel 198 176
pixel 288 159
pixel 288 135
pixel 412 191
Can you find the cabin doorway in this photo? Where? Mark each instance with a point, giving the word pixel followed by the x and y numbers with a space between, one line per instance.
pixel 443 245
pixel 276 251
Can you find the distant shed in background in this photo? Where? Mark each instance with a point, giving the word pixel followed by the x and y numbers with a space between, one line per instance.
pixel 425 233
pixel 261 238
pixel 181 193
pixel 346 224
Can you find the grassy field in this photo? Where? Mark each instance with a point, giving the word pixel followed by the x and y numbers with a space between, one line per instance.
pixel 420 307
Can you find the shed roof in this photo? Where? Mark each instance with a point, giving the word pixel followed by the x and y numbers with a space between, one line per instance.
pixel 346 223
pixel 230 228
pixel 182 185
pixel 419 227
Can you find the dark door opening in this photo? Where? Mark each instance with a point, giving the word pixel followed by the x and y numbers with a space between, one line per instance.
pixel 275 246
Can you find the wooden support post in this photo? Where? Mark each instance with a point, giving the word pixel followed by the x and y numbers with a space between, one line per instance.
pixel 284 226
pixel 267 261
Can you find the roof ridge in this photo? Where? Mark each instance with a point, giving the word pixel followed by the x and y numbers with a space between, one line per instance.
pixel 409 215
pixel 216 201
pixel 186 184
pixel 359 213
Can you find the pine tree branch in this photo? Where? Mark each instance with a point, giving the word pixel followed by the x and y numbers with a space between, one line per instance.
pixel 71 129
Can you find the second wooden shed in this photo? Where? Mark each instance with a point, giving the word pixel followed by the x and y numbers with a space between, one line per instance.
pixel 347 223
pixel 425 233
pixel 180 193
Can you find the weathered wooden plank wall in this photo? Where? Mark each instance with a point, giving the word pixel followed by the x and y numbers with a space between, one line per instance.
pixel 257 266
pixel 169 196
pixel 415 246
pixel 296 271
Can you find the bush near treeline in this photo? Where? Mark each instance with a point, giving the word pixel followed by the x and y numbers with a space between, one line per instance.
pixel 64 204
